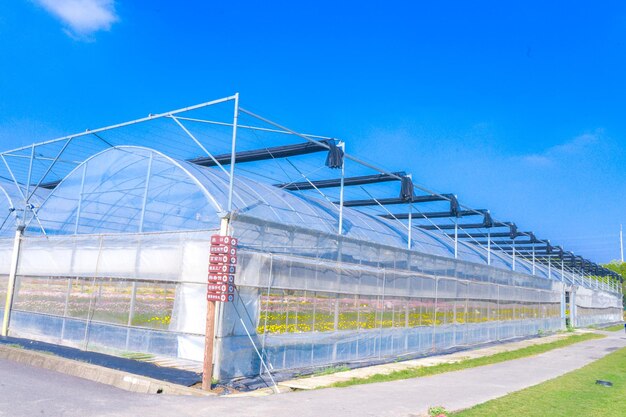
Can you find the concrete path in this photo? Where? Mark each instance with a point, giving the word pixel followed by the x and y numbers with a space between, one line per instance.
pixel 27 391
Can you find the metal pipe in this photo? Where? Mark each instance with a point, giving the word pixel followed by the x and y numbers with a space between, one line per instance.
pixel 145 194
pixel 30 173
pixel 456 238
pixel 12 277
pixel 240 126
pixel 200 145
pixel 131 122
pixel 231 183
pixel 352 158
pixel 80 199
pixel 549 268
pixel 410 225
pixel 69 140
pixel 489 247
pixel 342 145
pixel 513 246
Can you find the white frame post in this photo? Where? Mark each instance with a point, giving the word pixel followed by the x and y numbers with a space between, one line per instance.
pixel 12 278
pixel 409 244
pixel 513 246
pixel 456 238
pixel 233 155
pixel 342 145
pixel 489 246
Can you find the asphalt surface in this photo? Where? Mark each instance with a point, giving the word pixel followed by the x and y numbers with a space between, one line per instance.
pixel 28 391
pixel 150 370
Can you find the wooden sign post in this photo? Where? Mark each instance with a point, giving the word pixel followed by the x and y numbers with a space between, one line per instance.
pixel 207 368
pixel 220 288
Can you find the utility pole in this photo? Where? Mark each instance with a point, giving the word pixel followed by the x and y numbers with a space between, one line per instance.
pixel 621 242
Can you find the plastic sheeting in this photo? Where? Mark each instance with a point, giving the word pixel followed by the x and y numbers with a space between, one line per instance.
pixel 593 306
pixel 320 299
pixel 132 189
pixel 127 293
pixel 123 269
pixel 115 293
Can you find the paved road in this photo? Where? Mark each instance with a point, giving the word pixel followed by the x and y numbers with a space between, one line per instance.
pixel 28 391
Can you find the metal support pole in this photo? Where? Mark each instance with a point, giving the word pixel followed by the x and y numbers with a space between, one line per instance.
pixel 572 309
pixel 145 194
pixel 231 184
pixel 30 173
pixel 456 238
pixel 131 311
pixel 621 243
pixel 409 244
pixel 68 292
pixel 11 284
pixel 550 268
pixel 513 246
pixel 563 306
pixel 80 199
pixel 342 145
pixel 489 247
pixel 534 260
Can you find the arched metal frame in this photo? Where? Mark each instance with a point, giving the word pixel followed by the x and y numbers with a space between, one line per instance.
pixel 31 173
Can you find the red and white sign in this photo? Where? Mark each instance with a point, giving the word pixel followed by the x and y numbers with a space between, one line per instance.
pixel 224 298
pixel 221 278
pixel 223 240
pixel 222 269
pixel 222 261
pixel 229 288
pixel 226 250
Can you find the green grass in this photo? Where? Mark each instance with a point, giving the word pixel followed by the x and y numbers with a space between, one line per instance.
pixel 573 394
pixel 615 328
pixel 330 370
pixel 469 363
pixel 138 356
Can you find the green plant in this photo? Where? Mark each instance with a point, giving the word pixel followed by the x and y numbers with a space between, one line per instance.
pixel 330 370
pixel 615 328
pixel 437 411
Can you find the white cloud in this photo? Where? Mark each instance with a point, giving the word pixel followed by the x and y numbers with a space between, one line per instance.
pixel 82 17
pixel 575 147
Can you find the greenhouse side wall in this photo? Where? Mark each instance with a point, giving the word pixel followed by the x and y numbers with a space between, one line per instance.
pixel 119 294
pixel 594 306
pixel 311 299
pixel 305 299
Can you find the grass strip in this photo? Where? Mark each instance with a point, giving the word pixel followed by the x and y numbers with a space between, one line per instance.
pixel 615 328
pixel 421 371
pixel 573 394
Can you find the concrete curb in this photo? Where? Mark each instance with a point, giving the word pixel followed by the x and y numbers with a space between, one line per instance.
pixel 119 379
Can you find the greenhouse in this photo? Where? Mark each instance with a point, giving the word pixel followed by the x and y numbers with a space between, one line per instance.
pixel 107 233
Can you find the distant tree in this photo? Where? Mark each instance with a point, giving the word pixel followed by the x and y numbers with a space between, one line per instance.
pixel 620 268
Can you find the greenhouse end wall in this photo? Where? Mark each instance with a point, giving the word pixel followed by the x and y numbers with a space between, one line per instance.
pixel 123 293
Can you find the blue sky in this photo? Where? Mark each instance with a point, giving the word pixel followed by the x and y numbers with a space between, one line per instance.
pixel 515 108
